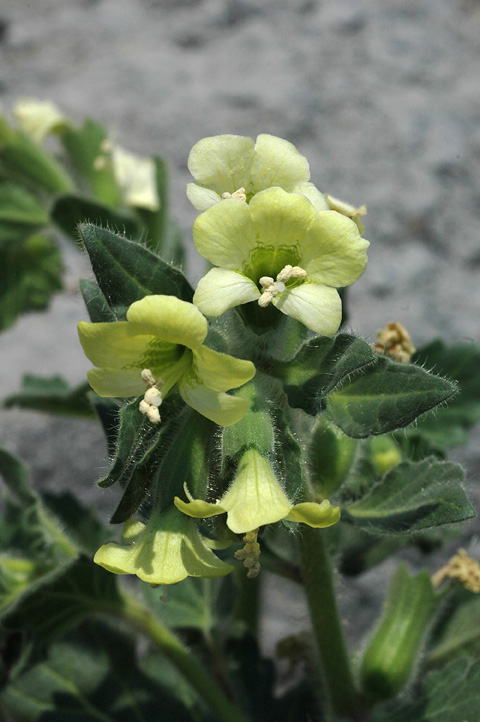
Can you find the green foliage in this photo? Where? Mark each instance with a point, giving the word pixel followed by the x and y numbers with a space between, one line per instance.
pixel 330 457
pixel 52 395
pixel 126 272
pixel 447 696
pixel 391 653
pixel 458 633
pixel 94 674
pixel 387 396
pixel 70 210
pixel 20 213
pixel 30 272
pixel 413 497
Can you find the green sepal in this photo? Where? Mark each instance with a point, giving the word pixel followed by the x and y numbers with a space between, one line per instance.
pixel 391 654
pixel 319 367
pixel 127 272
pixel 413 497
pixel 30 272
pixel 52 395
pixel 255 430
pixel 83 147
pixel 20 213
pixel 70 210
pixel 385 397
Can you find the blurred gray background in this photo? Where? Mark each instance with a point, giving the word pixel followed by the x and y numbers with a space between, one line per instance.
pixel 382 96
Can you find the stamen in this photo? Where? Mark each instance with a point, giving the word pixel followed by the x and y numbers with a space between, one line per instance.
pixel 250 554
pixel 239 194
pixel 271 287
pixel 152 398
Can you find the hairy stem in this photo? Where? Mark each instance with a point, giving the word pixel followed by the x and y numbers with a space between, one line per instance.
pixel 319 588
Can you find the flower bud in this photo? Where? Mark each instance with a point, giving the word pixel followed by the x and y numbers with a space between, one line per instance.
pixel 391 654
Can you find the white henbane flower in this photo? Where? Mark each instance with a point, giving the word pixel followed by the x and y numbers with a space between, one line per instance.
pixel 278 249
pixel 38 118
pixel 235 166
pixel 159 345
pixel 256 498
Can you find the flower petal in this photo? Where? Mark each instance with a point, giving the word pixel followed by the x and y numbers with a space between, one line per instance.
pixel 168 318
pixel 281 221
pixel 276 162
pixel 222 162
pixel 198 508
pixel 220 408
pixel 137 179
pixel 219 371
pixel 168 549
pixel 114 344
pixel 220 290
pixel 201 198
pixel 317 306
pixel 316 515
pixel 333 250
pixel 255 498
pixel 38 118
pixel 121 383
pixel 316 198
pixel 224 234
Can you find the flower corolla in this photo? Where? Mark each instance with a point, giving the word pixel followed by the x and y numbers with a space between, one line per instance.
pixel 160 345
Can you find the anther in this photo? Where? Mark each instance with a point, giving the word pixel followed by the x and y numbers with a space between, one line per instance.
pixel 239 194
pixel 152 398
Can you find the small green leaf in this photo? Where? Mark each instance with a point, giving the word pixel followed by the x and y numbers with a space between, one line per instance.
pixel 20 214
pixel 52 395
pixel 412 497
pixel 127 272
pixel 320 366
pixel 23 159
pixel 78 521
pixel 29 274
pixel 391 653
pixel 84 146
pixel 449 695
pixel 460 632
pixel 387 396
pixel 71 210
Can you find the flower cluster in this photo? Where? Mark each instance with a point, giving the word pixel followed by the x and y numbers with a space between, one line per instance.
pixel 274 240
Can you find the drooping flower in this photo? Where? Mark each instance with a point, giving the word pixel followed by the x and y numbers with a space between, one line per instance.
pixel 235 166
pixel 166 550
pixel 278 249
pixel 159 345
pixel 38 118
pixel 256 498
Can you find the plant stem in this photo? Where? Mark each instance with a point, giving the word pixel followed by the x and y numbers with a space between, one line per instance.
pixel 247 604
pixel 143 620
pixel 319 588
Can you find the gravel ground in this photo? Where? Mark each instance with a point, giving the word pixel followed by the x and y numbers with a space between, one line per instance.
pixel 382 97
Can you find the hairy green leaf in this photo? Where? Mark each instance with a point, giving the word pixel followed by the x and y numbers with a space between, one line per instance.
pixel 385 397
pixel 319 367
pixel 412 497
pixel 20 213
pixel 127 272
